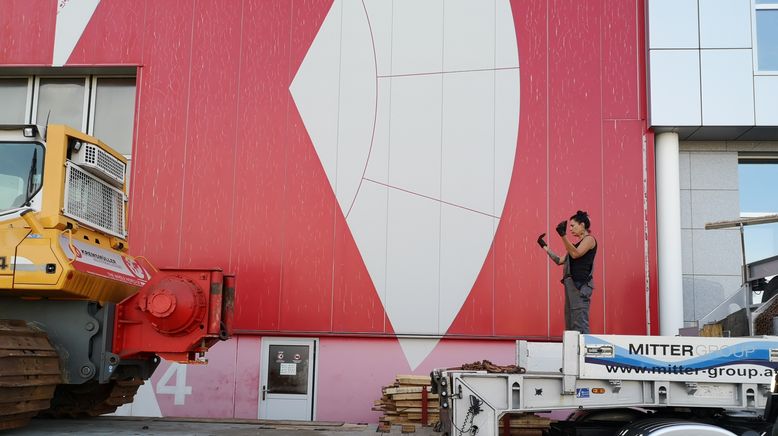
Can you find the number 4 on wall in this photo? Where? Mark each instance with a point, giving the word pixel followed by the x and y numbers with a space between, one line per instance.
pixel 180 390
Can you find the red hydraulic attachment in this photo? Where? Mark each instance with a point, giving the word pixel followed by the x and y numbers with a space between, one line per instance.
pixel 177 315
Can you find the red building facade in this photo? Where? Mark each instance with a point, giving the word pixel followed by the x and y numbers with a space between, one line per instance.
pixel 228 169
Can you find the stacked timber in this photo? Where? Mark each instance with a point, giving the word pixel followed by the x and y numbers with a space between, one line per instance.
pixel 403 403
pixel 525 424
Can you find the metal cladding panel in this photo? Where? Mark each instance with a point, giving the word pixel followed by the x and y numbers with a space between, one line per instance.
pixel 212 133
pixel 260 162
pixel 622 60
pixel 27 32
pixel 575 134
pixel 159 149
pixel 230 169
pixel 114 35
pixel 309 207
pixel 624 276
pixel 526 206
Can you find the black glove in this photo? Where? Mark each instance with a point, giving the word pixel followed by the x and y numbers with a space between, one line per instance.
pixel 541 242
pixel 561 228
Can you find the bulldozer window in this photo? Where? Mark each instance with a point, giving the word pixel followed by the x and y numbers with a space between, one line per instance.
pixel 21 173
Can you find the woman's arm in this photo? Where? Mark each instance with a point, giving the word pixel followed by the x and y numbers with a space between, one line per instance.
pixel 557 260
pixel 587 243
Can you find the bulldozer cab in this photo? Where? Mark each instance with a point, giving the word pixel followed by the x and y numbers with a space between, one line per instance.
pixel 21 169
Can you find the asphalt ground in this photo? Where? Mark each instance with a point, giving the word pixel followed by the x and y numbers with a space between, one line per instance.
pixel 127 426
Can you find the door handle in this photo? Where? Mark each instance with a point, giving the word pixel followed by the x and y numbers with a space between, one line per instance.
pixel 264 391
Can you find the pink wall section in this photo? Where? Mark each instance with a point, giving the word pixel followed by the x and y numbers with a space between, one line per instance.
pixel 225 172
pixel 351 372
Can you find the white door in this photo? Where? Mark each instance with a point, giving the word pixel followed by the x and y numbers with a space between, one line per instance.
pixel 286 385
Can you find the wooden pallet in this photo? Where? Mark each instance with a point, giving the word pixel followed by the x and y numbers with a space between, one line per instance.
pixel 406 403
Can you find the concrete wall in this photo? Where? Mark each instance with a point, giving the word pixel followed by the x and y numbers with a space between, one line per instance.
pixel 712 259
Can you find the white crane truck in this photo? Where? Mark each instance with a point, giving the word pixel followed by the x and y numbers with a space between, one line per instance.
pixel 622 385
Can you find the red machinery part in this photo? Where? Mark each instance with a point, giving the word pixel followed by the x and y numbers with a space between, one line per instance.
pixel 176 315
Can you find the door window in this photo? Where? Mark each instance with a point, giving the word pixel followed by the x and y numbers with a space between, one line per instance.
pixel 288 369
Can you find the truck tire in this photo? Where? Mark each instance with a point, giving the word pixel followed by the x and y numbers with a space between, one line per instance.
pixel 671 427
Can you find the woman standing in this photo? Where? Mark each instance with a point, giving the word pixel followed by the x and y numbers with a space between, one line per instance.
pixel 578 265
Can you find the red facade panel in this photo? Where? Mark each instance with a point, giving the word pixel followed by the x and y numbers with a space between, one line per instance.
pixel 114 35
pixel 575 137
pixel 260 161
pixel 521 268
pixel 622 60
pixel 159 151
pixel 225 171
pixel 310 205
pixel 212 129
pixel 624 231
pixel 27 32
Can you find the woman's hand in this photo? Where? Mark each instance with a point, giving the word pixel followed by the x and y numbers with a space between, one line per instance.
pixel 541 242
pixel 561 228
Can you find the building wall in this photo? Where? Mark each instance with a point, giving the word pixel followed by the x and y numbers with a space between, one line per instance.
pixel 702 67
pixel 229 168
pixel 351 373
pixel 712 259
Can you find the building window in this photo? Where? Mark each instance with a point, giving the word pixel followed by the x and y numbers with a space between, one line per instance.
pixel 757 178
pixel 100 105
pixel 60 100
pixel 15 95
pixel 113 100
pixel 766 35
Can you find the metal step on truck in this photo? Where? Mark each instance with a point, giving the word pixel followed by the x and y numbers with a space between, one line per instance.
pixel 622 385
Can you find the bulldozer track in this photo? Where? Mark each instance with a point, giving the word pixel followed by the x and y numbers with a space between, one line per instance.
pixel 91 398
pixel 29 373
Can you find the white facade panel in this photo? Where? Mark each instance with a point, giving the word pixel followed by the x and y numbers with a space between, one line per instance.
pixel 417 36
pixel 468 35
pixel 415 134
pixel 357 102
pixel 467 170
pixel 462 255
pixel 379 12
pixel 713 171
pixel 766 95
pixel 709 258
pixel 684 170
pixel 673 24
pixel 506 49
pixel 368 224
pixel 506 133
pixel 413 262
pixel 725 24
pixel 378 163
pixel 708 206
pixel 675 88
pixel 727 87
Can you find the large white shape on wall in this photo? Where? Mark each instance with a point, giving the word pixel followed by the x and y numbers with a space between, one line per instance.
pixel 72 18
pixel 414 114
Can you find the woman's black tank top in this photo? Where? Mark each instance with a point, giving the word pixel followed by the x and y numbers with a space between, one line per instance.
pixel 581 268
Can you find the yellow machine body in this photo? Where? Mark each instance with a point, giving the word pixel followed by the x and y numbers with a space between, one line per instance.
pixel 46 254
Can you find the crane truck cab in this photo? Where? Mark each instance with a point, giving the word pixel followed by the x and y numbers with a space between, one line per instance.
pixel 83 322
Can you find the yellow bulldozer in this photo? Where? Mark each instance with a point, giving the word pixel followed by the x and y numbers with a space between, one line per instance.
pixel 82 322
